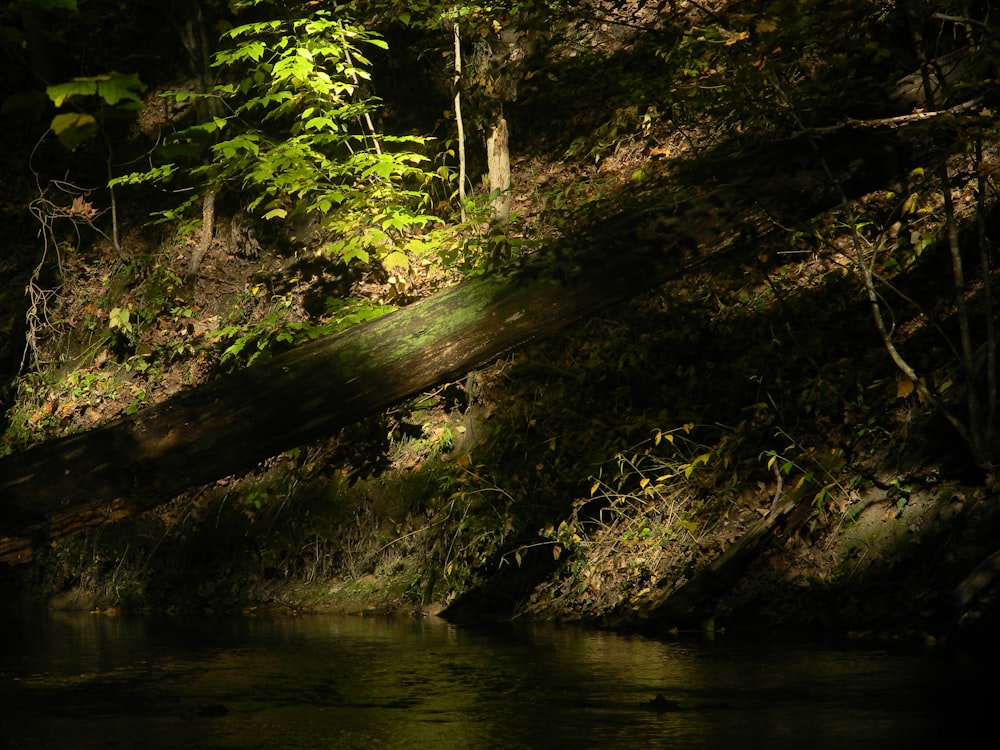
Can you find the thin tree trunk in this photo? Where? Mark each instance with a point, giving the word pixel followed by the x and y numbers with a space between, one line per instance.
pixel 459 125
pixel 207 232
pixel 989 427
pixel 498 162
pixel 195 40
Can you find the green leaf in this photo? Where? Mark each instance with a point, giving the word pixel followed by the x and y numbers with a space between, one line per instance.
pixel 156 174
pixel 323 205
pixel 383 168
pixel 251 51
pixel 355 253
pixel 111 87
pixel 395 259
pixel 60 92
pixel 118 87
pixel 320 123
pixel 73 128
pixel 120 318
pixel 235 348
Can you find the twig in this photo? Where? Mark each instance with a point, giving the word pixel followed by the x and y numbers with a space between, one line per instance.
pixel 964 20
pixel 357 83
pixel 893 123
pixel 984 262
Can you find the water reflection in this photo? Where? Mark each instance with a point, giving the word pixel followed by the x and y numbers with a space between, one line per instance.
pixel 327 682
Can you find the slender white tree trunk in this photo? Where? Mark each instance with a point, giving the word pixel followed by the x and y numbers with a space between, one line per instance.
pixel 458 120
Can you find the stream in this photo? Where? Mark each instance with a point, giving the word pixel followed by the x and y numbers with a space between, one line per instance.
pixel 331 682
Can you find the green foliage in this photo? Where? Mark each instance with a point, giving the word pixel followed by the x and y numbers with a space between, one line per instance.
pixel 293 136
pixel 642 493
pixel 480 518
pixel 288 131
pixel 112 88
pixel 626 127
pixel 49 406
pixel 432 14
pixel 246 341
pixel 817 475
pixel 643 514
pixel 97 100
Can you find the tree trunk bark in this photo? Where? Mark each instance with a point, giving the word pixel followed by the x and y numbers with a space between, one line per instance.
pixel 498 164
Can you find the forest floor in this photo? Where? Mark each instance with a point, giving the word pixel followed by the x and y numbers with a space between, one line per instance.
pixel 865 522
pixel 734 449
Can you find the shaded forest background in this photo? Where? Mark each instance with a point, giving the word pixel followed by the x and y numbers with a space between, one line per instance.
pixel 798 429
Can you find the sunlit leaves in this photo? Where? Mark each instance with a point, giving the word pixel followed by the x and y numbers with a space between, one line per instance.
pixel 395 259
pixel 120 318
pixel 73 128
pixel 96 98
pixel 112 88
pixel 247 343
pixel 299 138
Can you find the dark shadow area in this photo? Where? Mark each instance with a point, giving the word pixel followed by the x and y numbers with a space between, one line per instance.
pixel 809 369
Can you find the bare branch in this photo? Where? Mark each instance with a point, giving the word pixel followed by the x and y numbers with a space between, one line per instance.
pixel 893 123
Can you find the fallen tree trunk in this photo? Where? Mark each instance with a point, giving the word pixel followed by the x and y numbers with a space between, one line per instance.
pixel 230 424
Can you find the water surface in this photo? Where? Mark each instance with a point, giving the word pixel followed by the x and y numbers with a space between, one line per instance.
pixel 86 681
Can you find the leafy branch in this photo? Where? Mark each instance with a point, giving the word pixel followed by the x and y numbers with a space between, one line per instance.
pixel 296 137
